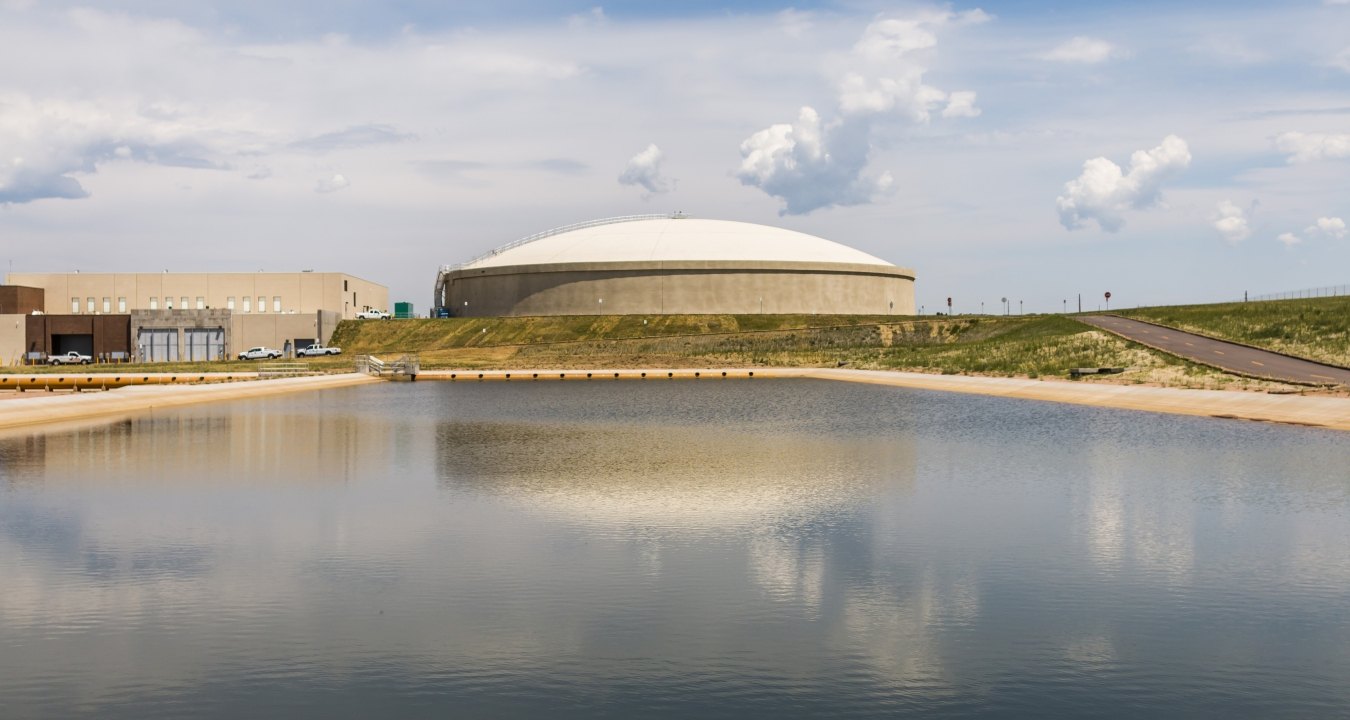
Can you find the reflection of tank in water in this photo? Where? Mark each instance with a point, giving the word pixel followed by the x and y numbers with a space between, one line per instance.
pixel 672 477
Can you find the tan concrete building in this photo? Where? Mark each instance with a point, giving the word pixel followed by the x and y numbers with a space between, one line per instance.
pixel 12 334
pixel 670 264
pixel 178 316
pixel 260 293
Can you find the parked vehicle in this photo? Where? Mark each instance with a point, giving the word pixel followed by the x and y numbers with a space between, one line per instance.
pixel 318 349
pixel 70 358
pixel 373 315
pixel 260 353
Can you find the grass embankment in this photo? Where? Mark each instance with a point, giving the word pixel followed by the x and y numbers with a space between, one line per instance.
pixel 1031 346
pixel 1314 328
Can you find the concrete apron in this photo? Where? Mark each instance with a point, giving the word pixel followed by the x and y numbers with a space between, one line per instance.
pixel 1326 412
pixel 45 408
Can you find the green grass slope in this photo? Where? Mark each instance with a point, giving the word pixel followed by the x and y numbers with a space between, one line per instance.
pixel 423 335
pixel 1030 346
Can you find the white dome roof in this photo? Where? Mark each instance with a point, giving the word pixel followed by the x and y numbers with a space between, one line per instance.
pixel 674 239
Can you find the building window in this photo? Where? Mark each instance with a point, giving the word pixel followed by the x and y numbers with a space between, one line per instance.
pixel 201 303
pixel 122 304
pixel 107 305
pixel 344 286
pixel 75 306
pixel 262 304
pixel 276 303
pixel 168 303
pixel 182 305
pixel 229 303
pixel 154 303
pixel 248 304
pixel 90 305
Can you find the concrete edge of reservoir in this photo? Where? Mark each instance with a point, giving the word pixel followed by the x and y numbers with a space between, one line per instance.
pixel 71 407
pixel 1324 412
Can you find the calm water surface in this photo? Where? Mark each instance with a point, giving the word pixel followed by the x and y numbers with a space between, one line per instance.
pixel 673 549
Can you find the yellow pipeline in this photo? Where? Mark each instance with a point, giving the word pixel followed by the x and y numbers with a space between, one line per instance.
pixel 105 381
pixel 528 375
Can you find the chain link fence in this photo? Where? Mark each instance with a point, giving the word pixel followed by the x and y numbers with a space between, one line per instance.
pixel 1329 291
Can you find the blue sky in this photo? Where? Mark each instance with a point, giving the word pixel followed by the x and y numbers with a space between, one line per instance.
pixel 1026 150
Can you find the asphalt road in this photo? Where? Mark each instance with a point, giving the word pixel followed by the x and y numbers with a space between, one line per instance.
pixel 1220 354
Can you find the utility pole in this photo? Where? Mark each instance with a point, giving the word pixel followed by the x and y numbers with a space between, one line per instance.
pixel 1080 302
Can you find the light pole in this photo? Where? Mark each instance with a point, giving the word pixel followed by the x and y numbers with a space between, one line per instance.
pixel 1005 306
pixel 1019 308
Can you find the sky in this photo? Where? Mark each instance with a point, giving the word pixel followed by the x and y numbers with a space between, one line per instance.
pixel 1034 151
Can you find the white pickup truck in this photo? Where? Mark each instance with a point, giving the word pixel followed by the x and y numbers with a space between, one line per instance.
pixel 317 349
pixel 373 315
pixel 70 358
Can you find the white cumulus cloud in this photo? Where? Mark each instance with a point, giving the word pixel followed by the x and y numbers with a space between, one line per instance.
pixel 810 165
pixel 332 184
pixel 961 104
pixel 1329 226
pixel 50 142
pixel 1103 192
pixel 1231 222
pixel 1342 60
pixel 644 170
pixel 1332 227
pixel 1086 50
pixel 814 163
pixel 1307 147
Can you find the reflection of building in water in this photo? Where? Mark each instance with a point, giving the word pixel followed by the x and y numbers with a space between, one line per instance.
pixel 195 446
pixel 674 478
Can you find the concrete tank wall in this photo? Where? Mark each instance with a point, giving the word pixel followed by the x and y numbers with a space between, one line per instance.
pixel 634 288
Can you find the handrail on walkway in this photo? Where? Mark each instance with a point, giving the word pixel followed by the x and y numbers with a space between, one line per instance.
pixel 275 370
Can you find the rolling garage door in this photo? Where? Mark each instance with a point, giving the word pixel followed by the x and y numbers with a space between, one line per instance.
pixel 202 344
pixel 157 344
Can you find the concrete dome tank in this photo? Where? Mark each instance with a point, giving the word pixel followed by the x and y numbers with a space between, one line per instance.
pixel 671 264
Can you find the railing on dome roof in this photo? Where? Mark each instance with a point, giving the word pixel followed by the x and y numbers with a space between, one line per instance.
pixel 447 269
pixel 560 230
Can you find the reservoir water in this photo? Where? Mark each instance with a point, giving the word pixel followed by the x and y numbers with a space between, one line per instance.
pixel 676 549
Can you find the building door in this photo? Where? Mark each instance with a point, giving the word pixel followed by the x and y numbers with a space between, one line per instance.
pixel 157 344
pixel 204 344
pixel 83 344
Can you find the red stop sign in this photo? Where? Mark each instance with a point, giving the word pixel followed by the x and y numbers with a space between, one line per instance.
pixel 1108 296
